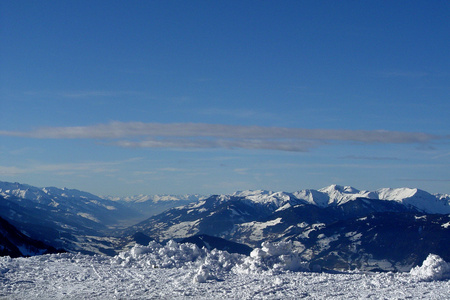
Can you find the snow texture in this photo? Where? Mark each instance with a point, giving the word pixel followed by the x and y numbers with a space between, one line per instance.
pixel 181 271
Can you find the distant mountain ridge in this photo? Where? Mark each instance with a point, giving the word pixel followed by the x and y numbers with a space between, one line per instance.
pixel 327 196
pixel 334 195
pixel 149 205
pixel 155 198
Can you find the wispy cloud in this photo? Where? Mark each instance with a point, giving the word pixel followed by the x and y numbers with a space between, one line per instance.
pixel 236 113
pixel 241 171
pixel 79 94
pixel 66 168
pixel 297 146
pixel 441 155
pixel 362 157
pixel 11 171
pixel 201 135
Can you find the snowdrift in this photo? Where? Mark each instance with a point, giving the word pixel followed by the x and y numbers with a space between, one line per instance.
pixel 181 271
pixel 272 258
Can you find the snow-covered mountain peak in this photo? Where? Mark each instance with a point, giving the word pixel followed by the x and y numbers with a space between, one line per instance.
pixel 417 198
pixel 396 194
pixel 44 195
pixel 313 197
pixel 411 197
pixel 340 194
pixel 335 188
pixel 251 193
pixel 334 195
pixel 266 198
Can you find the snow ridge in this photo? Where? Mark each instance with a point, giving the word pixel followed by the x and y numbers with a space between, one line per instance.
pixel 335 195
pixel 155 198
pixel 45 195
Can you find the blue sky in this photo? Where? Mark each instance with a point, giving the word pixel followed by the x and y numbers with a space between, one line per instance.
pixel 131 97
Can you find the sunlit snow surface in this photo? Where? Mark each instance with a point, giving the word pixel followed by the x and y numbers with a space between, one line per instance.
pixel 177 271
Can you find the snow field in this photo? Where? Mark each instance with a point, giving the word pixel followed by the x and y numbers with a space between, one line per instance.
pixel 181 271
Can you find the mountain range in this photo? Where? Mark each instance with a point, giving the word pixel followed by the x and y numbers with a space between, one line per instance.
pixel 324 225
pixel 337 227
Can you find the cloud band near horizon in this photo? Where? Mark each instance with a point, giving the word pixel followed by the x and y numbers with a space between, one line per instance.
pixel 202 135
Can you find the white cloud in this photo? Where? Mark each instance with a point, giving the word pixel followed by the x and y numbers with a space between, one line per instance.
pixel 11 171
pixel 297 146
pixel 201 135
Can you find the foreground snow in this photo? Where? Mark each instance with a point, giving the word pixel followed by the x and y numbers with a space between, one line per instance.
pixel 184 271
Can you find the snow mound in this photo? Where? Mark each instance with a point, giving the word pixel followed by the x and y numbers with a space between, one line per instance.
pixel 273 258
pixel 433 268
pixel 155 255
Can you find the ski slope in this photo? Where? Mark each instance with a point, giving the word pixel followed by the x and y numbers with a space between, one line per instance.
pixel 180 271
